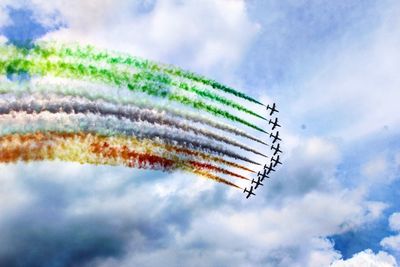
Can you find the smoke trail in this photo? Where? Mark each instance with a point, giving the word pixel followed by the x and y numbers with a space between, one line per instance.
pixel 106 150
pixel 120 78
pixel 110 76
pixel 9 98
pixel 139 114
pixel 78 105
pixel 213 110
pixel 98 92
pixel 215 178
pixel 88 149
pixel 91 53
pixel 215 97
pixel 168 150
pixel 164 79
pixel 206 157
pixel 207 166
pixel 109 126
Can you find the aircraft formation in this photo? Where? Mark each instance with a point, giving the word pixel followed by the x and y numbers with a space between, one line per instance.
pixel 82 104
pixel 275 159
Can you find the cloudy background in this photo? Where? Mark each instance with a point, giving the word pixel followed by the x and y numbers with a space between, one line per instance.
pixel 332 67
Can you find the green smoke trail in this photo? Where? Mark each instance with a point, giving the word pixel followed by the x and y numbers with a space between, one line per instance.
pixel 134 82
pixel 151 75
pixel 89 52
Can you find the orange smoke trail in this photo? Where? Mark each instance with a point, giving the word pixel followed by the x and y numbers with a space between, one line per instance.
pixel 200 165
pixel 132 158
pixel 94 149
pixel 207 157
pixel 215 178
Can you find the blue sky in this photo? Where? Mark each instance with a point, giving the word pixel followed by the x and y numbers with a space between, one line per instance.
pixel 332 68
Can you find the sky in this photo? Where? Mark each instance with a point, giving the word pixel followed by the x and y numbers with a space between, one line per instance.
pixel 331 67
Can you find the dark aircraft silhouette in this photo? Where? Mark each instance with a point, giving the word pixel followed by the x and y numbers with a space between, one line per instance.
pixel 262 175
pixel 273 109
pixel 250 192
pixel 276 149
pixel 275 136
pixel 258 182
pixel 274 123
pixel 269 168
pixel 276 160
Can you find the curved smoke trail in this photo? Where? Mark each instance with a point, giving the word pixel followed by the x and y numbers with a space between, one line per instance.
pixel 41 66
pixel 99 92
pixel 78 105
pixel 95 149
pixel 22 122
pixel 96 55
pixel 93 106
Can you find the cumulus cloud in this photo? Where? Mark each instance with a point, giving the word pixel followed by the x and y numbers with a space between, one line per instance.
pixel 394 221
pixel 72 215
pixel 52 218
pixel 380 169
pixel 224 237
pixel 101 216
pixel 346 83
pixel 368 258
pixel 310 165
pixel 210 37
pixel 393 242
pixel 375 167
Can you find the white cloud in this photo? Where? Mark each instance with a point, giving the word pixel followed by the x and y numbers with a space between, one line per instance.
pixel 393 242
pixel 13 193
pixel 270 237
pixel 394 221
pixel 375 209
pixel 309 165
pixel 193 221
pixel 219 228
pixel 379 170
pixel 368 259
pixel 354 91
pixel 375 167
pixel 2 39
pixel 4 19
pixel 322 253
pixel 210 37
pixel 293 224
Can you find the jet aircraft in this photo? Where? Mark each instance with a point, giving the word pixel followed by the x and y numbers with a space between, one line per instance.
pixel 276 149
pixel 250 192
pixel 269 168
pixel 273 109
pixel 274 123
pixel 263 174
pixel 257 182
pixel 276 160
pixel 275 136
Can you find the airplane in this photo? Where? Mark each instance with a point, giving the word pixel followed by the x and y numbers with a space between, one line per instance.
pixel 273 109
pixel 276 137
pixel 276 160
pixel 250 192
pixel 274 123
pixel 258 182
pixel 262 175
pixel 269 168
pixel 276 149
